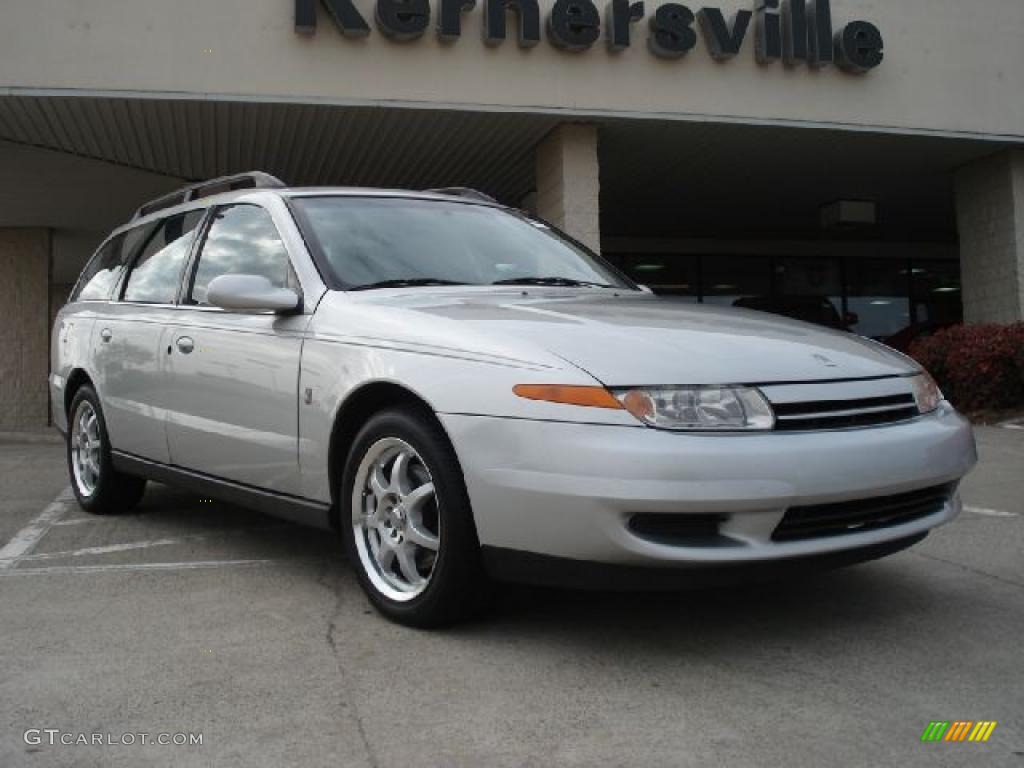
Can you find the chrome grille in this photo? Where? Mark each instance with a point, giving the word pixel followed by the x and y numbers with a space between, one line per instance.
pixel 842 414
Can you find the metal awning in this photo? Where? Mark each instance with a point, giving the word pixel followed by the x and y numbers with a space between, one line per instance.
pixel 301 144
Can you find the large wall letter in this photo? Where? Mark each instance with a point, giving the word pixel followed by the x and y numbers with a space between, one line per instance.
pixel 859 47
pixel 819 17
pixel 722 43
pixel 348 20
pixel 574 25
pixel 794 31
pixel 672 32
pixel 402 19
pixel 529 21
pixel 768 32
pixel 449 20
pixel 619 15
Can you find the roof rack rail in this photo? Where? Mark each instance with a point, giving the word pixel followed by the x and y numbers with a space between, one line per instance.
pixel 472 194
pixel 250 180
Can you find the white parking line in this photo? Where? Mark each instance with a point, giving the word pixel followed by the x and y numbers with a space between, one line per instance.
pixel 86 551
pixel 989 512
pixel 130 545
pixel 25 540
pixel 187 566
pixel 80 520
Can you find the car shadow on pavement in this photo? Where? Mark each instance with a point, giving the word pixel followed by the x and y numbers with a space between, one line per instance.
pixel 876 597
pixel 233 532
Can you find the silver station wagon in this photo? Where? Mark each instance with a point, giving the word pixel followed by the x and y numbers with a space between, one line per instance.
pixel 467 394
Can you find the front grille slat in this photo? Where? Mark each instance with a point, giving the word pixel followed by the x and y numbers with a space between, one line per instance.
pixel 825 520
pixel 844 414
pixel 847 421
pixel 850 412
pixel 815 406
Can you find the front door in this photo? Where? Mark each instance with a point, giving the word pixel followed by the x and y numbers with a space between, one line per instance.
pixel 234 407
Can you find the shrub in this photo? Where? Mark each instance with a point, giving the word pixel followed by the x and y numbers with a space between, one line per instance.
pixel 976 366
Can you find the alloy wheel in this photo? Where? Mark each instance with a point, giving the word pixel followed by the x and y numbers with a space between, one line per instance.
pixel 395 519
pixel 86 445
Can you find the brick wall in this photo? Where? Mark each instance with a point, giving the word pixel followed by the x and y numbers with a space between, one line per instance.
pixel 24 334
pixel 568 184
pixel 990 219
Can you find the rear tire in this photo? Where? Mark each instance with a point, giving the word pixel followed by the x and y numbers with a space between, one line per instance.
pixel 407 524
pixel 99 488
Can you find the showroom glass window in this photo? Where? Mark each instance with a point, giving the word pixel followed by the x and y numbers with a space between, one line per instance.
pixel 242 240
pixel 882 295
pixel 936 291
pixel 157 272
pixel 104 271
pixel 809 289
pixel 731 279
pixel 665 274
pixel 879 295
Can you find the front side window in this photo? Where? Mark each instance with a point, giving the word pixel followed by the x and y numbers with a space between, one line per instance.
pixel 157 273
pixel 242 241
pixel 368 242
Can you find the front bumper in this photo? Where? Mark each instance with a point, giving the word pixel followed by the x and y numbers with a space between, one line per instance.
pixel 569 490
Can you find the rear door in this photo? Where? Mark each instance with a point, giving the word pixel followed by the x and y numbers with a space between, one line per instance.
pixel 233 412
pixel 129 339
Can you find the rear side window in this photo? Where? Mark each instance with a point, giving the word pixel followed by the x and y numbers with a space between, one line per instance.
pixel 157 273
pixel 242 240
pixel 104 270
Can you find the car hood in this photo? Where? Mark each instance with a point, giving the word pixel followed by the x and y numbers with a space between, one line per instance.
pixel 630 338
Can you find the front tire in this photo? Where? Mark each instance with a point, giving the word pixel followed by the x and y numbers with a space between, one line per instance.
pixel 406 521
pixel 99 488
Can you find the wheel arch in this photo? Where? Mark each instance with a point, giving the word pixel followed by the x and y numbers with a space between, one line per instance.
pixel 76 379
pixel 353 413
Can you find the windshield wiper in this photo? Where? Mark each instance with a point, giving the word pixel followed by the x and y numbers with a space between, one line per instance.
pixel 566 282
pixel 405 282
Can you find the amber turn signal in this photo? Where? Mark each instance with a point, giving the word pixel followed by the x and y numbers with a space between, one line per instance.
pixel 592 397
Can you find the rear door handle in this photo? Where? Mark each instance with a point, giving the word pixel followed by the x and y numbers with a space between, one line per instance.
pixel 106 334
pixel 185 345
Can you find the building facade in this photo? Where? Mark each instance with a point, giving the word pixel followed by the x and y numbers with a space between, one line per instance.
pixel 858 163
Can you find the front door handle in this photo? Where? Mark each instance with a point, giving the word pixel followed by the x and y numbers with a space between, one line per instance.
pixel 106 334
pixel 185 345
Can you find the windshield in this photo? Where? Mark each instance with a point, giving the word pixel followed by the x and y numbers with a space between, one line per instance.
pixel 398 242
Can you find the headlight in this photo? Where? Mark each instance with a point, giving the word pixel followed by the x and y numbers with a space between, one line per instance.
pixel 698 408
pixel 927 394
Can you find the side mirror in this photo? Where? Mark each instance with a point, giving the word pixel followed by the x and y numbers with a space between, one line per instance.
pixel 850 319
pixel 253 292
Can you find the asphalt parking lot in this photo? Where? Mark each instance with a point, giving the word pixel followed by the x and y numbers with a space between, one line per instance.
pixel 194 617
